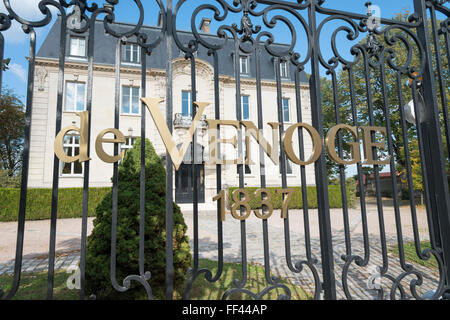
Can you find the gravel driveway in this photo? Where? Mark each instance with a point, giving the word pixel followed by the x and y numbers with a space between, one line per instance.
pixel 69 233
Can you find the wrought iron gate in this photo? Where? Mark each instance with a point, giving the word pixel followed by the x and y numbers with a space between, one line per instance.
pixel 419 36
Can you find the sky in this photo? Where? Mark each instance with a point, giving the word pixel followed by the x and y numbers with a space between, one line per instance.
pixel 17 42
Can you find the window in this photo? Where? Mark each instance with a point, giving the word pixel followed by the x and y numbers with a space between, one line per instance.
pixel 245 108
pixel 77 47
pixel 75 96
pixel 286 115
pixel 71 145
pixel 186 103
pixel 288 166
pixel 243 64
pixel 129 142
pixel 131 54
pixel 130 100
pixel 247 169
pixel 284 69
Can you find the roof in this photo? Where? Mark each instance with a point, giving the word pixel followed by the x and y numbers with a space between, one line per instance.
pixel 104 50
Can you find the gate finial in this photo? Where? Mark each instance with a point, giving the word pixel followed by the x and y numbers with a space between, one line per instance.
pixel 373 46
pixel 247 28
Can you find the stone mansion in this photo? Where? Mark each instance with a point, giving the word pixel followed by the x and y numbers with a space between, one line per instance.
pixel 103 102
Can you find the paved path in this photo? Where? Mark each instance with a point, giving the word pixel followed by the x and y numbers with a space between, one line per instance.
pixel 68 246
pixel 64 262
pixel 358 278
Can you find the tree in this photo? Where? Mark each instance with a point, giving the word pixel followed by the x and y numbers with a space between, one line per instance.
pixel 382 87
pixel 5 64
pixel 99 242
pixel 12 131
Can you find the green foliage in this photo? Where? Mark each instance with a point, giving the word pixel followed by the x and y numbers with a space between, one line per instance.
pixel 412 257
pixel 33 286
pixel 98 254
pixel 5 64
pixel 341 102
pixel 39 203
pixel 12 131
pixel 9 182
pixel 334 192
pixel 257 282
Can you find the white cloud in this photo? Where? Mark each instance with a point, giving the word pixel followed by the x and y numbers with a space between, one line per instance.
pixel 19 71
pixel 28 10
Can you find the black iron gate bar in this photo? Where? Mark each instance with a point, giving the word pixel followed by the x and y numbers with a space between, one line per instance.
pixel 427 110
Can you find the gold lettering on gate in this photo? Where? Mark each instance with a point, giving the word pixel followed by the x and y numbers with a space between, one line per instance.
pixel 175 154
pixel 214 140
pixel 83 131
pixel 271 151
pixel 369 145
pixel 331 145
pixel 317 144
pixel 119 138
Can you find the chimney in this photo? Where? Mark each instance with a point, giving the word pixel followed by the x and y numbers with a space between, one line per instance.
pixel 204 25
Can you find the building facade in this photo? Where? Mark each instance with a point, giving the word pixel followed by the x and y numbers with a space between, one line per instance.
pixel 103 104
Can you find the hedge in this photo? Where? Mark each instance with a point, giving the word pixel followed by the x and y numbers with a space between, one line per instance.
pixel 296 202
pixel 39 203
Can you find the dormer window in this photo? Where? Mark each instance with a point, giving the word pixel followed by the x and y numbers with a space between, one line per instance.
pixel 243 64
pixel 131 53
pixel 77 47
pixel 284 69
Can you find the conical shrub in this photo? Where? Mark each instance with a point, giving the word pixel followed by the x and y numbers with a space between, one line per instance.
pixel 98 255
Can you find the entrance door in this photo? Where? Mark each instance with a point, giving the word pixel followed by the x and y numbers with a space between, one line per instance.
pixel 184 192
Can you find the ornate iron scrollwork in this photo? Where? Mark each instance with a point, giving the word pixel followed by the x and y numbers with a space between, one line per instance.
pixel 376 54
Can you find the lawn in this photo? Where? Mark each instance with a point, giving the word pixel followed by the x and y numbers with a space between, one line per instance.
pixel 411 255
pixel 33 285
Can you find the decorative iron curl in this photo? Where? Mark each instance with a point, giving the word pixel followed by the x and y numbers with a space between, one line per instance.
pixel 299 265
pixel 142 279
pixel 352 34
pixel 142 37
pixel 82 4
pixel 419 281
pixel 407 68
pixel 445 27
pixel 360 262
pixel 217 17
pixel 5 21
pixel 110 19
pixel 289 52
pixel 397 287
pixel 195 274
pixel 28 27
pixel 192 45
pixel 247 41
pixel 26 23
pixel 439 6
pixel 261 295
